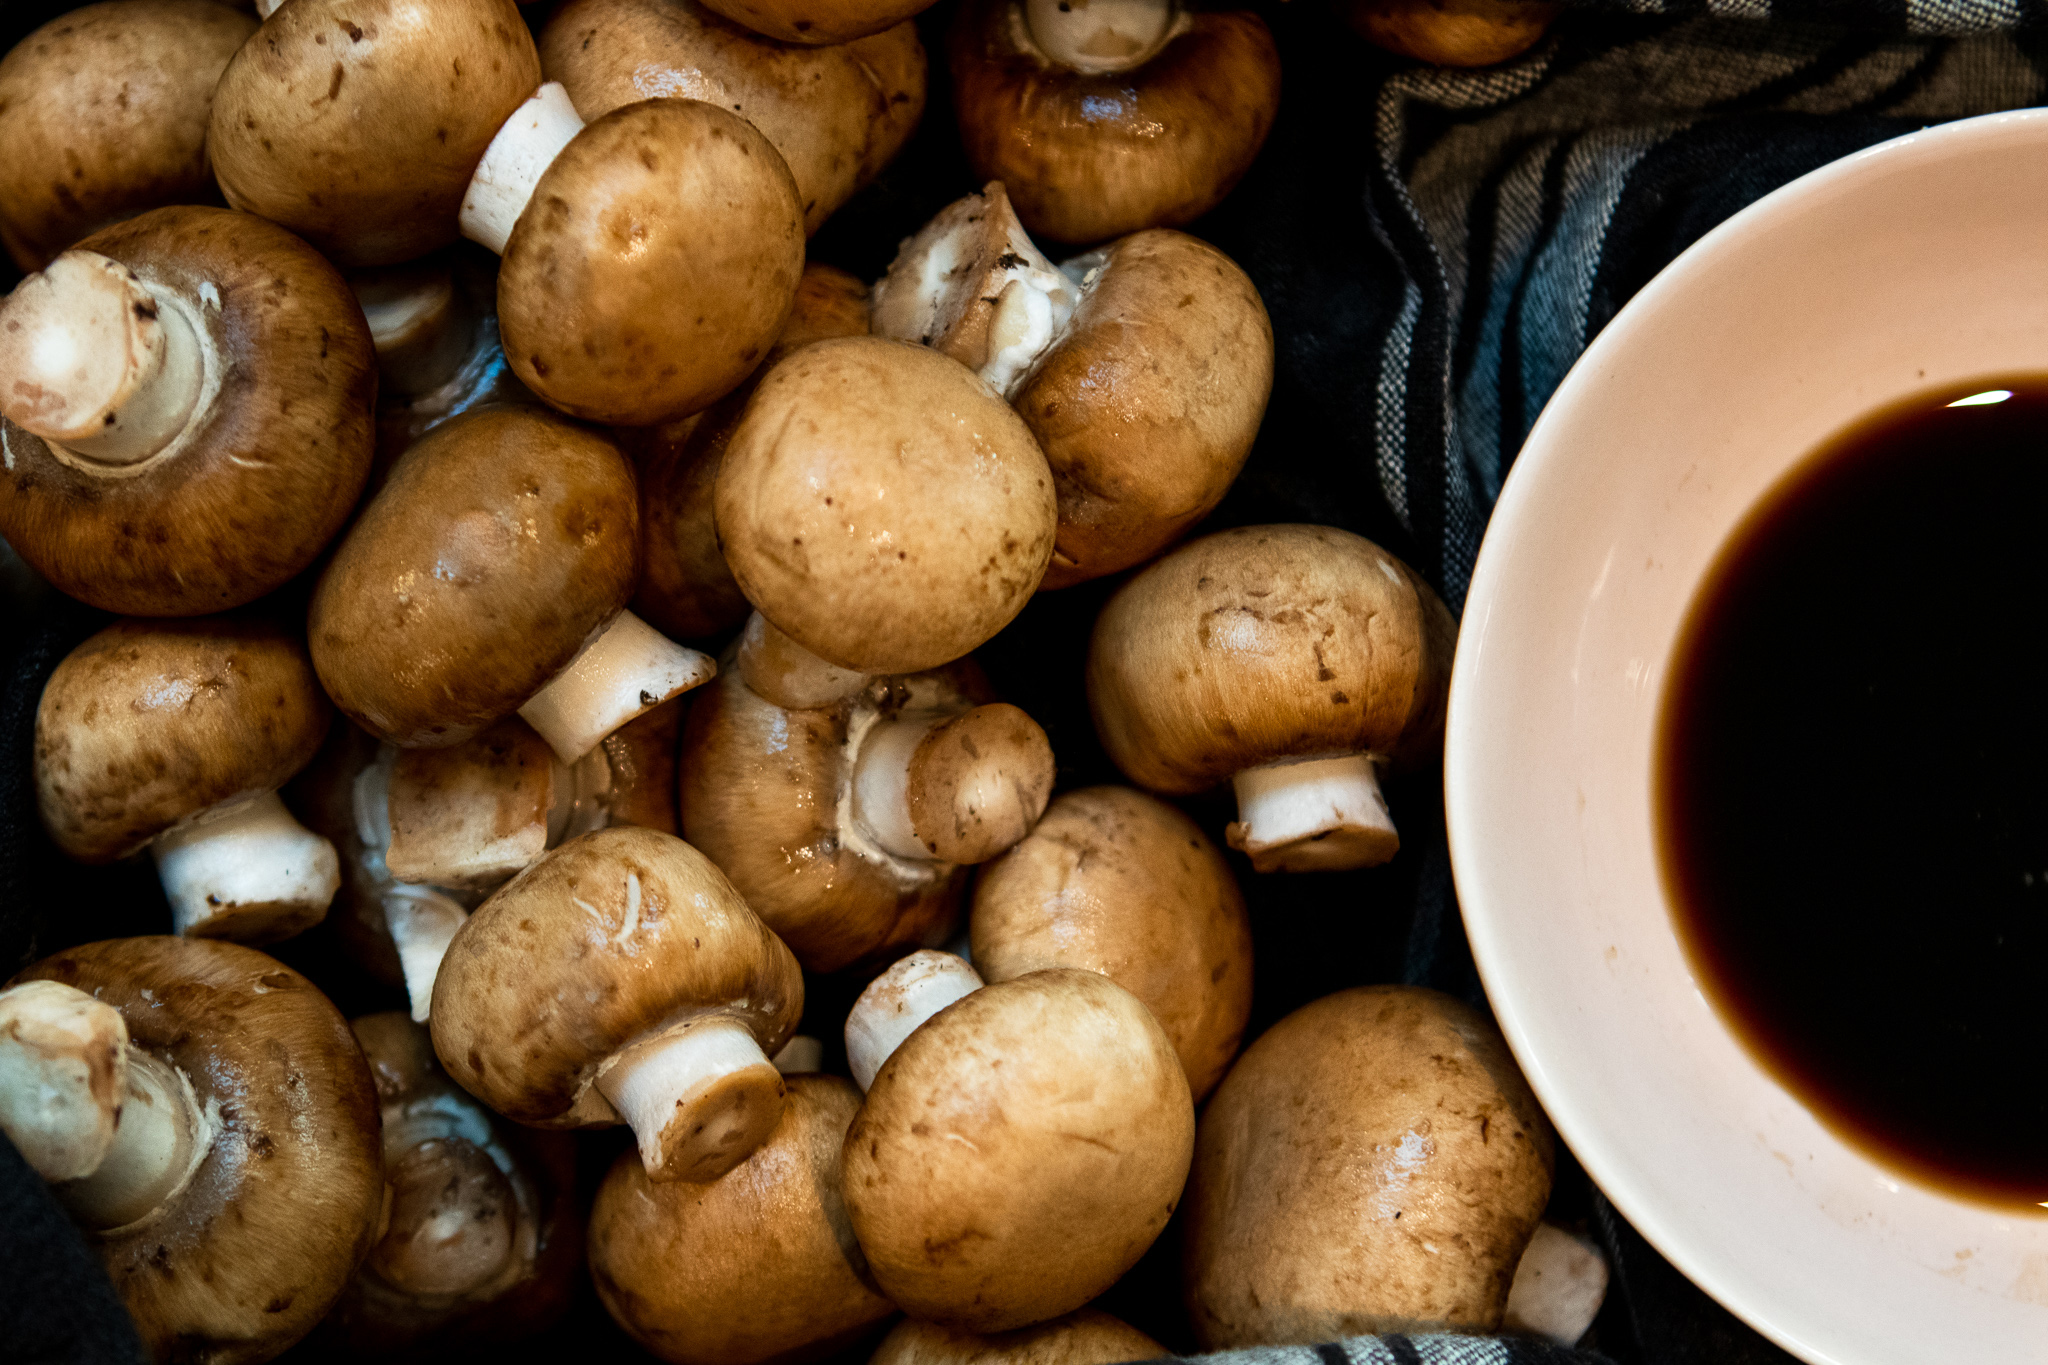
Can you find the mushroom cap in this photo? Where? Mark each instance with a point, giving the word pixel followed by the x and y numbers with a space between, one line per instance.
pixel 358 123
pixel 686 590
pixel 759 1265
pixel 286 1203
pixel 1147 407
pixel 819 22
pixel 837 114
pixel 1373 1163
pixel 264 475
pixel 604 940
pixel 103 114
pixel 656 262
pixel 761 794
pixel 1118 882
pixel 1092 157
pixel 1268 642
pixel 1453 32
pixel 501 543
pixel 148 722
pixel 882 506
pixel 1088 1337
pixel 1019 1151
pixel 322 798
pixel 470 815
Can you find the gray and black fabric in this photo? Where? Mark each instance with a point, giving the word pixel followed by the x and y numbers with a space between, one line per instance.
pixel 1415 1350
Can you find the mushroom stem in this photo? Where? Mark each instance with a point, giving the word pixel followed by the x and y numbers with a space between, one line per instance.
pixel 422 923
pixel 1101 36
pixel 1559 1285
pixel 895 1003
pixel 266 8
pixel 1315 814
pixel 955 789
pixel 628 670
pixel 778 670
pixel 159 1141
pixel 454 1220
pixel 419 324
pixel 63 1068
pixel 699 1097
pixel 95 362
pixel 244 869
pixel 525 146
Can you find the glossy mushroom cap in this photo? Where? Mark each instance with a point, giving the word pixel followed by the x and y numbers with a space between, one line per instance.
pixel 620 977
pixel 882 507
pixel 1090 156
pixel 818 22
pixel 1087 1337
pixel 759 1266
pixel 1373 1163
pixel 1266 649
pixel 1038 1131
pixel 837 114
pixel 1453 32
pixel 1118 882
pixel 103 114
pixel 234 375
pixel 284 1202
pixel 358 123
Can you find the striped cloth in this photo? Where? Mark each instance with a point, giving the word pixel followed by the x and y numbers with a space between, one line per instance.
pixel 1398 1350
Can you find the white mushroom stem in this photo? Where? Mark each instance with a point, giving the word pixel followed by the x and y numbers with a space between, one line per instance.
pixel 94 361
pixel 266 8
pixel 162 1136
pixel 777 669
pixel 1099 36
pixel 699 1097
pixel 956 788
pixel 422 922
pixel 1559 1286
pixel 899 1000
pixel 881 784
pixel 418 324
pixel 628 670
pixel 237 869
pixel 63 1068
pixel 523 149
pixel 1315 814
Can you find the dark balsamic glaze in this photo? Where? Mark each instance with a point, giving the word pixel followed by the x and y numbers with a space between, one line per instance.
pixel 1852 788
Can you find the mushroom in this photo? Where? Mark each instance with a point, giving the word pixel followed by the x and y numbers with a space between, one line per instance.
pixel 882 508
pixel 1118 882
pixel 175 736
pixel 1453 32
pixel 483 1241
pixel 1294 660
pixel 621 978
pixel 1088 1337
pixel 1559 1285
pixel 837 114
pixel 1020 1148
pixel 187 403
pixel 358 123
pixel 760 1266
pixel 490 575
pixel 1142 369
pixel 685 587
pixel 819 22
pixel 103 114
pixel 242 1185
pixel 847 826
pixel 1109 117
pixel 422 322
pixel 1373 1163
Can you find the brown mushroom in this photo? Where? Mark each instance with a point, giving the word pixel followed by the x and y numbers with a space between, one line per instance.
pixel 358 123
pixel 1453 32
pixel 103 115
pixel 846 826
pixel 243 1185
pixel 483 1242
pixel 490 575
pixel 1373 1163
pixel 1121 883
pixel 1112 116
pixel 175 736
pixel 759 1266
pixel 422 322
pixel 837 114
pixel 1297 661
pixel 621 978
pixel 1088 1337
pixel 882 508
pixel 819 21
pixel 187 412
pixel 1142 369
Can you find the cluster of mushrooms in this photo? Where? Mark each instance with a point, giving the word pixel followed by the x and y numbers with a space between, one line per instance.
pixel 413 548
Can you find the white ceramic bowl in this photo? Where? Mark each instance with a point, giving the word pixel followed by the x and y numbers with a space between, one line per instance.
pixel 1917 263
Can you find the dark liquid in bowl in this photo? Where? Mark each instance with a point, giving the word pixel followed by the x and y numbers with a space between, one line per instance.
pixel 1853 788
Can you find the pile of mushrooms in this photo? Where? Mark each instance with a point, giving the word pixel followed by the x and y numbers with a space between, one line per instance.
pixel 571 608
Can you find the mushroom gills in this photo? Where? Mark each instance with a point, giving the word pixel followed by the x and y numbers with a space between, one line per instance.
pixel 699 1097
pixel 627 670
pixel 524 148
pixel 1313 814
pixel 246 870
pixel 897 1002
pixel 1100 37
